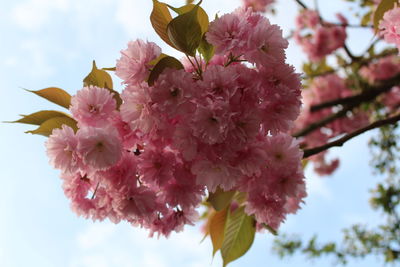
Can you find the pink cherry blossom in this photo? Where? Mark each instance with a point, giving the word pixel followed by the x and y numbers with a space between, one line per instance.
pixel 136 110
pixel 229 34
pixel 62 150
pixel 323 39
pixel 93 106
pixel 258 5
pixel 390 26
pixel 133 66
pixel 100 148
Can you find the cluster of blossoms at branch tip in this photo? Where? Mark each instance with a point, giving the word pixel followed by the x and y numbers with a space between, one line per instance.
pixel 390 26
pixel 317 38
pixel 151 160
pixel 258 5
pixel 323 89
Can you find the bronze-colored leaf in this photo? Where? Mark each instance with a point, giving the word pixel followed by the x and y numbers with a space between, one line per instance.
pixel 47 127
pixel 55 95
pixel 160 18
pixel 39 117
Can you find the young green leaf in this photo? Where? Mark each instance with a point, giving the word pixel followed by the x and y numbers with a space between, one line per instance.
pixel 55 95
pixel 160 17
pixel 206 49
pixel 201 14
pixel 239 235
pixel 220 199
pixel 47 127
pixel 185 32
pixel 156 60
pixel 381 9
pixel 164 63
pixel 216 228
pixel 39 117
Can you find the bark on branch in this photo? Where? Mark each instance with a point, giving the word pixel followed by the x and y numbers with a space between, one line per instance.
pixel 344 139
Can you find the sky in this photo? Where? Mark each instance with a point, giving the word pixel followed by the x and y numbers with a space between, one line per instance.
pixel 52 43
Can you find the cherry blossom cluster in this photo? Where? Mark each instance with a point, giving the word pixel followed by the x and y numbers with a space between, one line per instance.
pixel 323 89
pixel 223 124
pixel 258 5
pixel 317 38
pixel 390 26
pixel 380 70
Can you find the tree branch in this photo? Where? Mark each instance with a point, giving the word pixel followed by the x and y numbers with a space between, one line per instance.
pixel 344 139
pixel 367 95
pixel 318 124
pixel 300 3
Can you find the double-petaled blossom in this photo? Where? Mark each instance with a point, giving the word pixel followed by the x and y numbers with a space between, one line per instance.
pixel 318 39
pixel 390 26
pixel 152 160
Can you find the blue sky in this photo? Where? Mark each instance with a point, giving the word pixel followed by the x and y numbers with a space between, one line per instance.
pixel 52 43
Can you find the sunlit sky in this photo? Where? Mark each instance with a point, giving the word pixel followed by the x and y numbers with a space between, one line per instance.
pixel 52 43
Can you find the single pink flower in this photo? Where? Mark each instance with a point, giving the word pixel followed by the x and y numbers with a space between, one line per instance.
pixel 133 66
pixel 390 26
pixel 92 106
pixel 100 148
pixel 62 150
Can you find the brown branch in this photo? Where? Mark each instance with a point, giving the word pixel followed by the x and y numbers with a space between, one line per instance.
pixel 339 142
pixel 367 95
pixel 318 124
pixel 300 3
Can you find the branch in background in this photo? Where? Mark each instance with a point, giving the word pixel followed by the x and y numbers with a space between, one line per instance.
pixel 367 95
pixel 360 63
pixel 350 54
pixel 301 4
pixel 344 139
pixel 318 124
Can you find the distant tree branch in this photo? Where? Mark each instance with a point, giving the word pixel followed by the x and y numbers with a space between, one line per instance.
pixel 300 3
pixel 349 103
pixel 365 96
pixel 344 139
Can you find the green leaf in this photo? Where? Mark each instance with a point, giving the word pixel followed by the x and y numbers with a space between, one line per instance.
pixel 216 228
pixel 186 30
pixel 201 14
pixel 164 63
pixel 239 235
pixel 220 199
pixel 270 229
pixel 100 78
pixel 55 95
pixel 160 18
pixel 384 6
pixel 39 117
pixel 206 49
pixel 47 127
pixel 156 60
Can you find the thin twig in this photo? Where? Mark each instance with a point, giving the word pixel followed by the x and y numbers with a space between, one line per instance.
pixel 318 124
pixel 344 139
pixel 301 4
